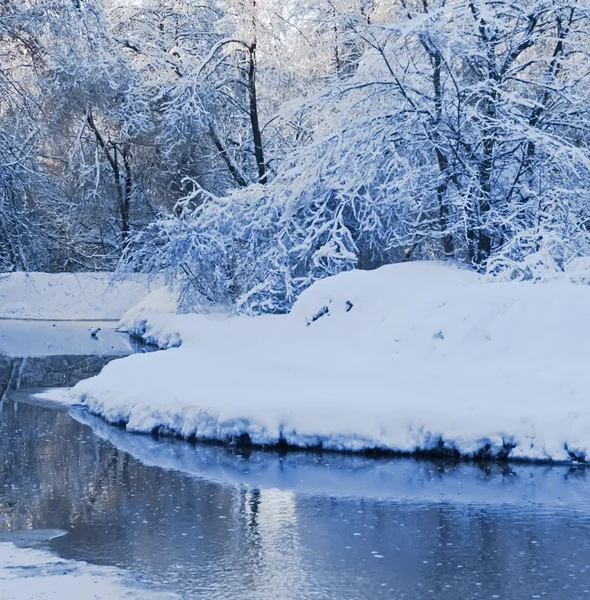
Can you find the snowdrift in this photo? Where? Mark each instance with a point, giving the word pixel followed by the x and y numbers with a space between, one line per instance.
pixel 416 357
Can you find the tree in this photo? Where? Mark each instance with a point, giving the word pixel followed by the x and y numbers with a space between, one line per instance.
pixel 461 132
pixel 29 228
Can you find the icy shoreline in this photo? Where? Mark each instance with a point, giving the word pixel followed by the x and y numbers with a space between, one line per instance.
pixel 36 574
pixel 411 358
pixel 69 296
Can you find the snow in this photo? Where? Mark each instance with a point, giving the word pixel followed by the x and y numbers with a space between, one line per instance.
pixel 161 300
pixel 69 296
pixel 410 357
pixel 34 574
pixel 43 314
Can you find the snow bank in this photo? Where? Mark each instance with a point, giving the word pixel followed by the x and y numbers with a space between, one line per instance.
pixel 32 574
pixel 411 357
pixel 160 301
pixel 68 296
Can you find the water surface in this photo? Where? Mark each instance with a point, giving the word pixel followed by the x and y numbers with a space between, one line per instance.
pixel 209 523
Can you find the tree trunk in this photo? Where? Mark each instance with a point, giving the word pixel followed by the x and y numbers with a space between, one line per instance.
pixel 256 132
pixel 230 163
pixel 124 189
pixel 126 205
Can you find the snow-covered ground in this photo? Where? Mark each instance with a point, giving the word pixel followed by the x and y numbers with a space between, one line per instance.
pixel 411 357
pixel 33 574
pixel 68 296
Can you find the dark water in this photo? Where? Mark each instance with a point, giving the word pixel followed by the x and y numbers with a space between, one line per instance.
pixel 211 524
pixel 47 371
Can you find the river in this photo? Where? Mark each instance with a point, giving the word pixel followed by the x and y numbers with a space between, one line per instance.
pixel 211 523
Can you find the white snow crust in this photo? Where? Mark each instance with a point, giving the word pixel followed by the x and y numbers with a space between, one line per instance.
pixel 33 574
pixel 69 296
pixel 160 300
pixel 410 357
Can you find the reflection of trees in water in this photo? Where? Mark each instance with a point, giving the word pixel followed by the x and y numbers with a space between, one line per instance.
pixel 204 539
pixel 47 371
pixel 54 473
pixel 8 375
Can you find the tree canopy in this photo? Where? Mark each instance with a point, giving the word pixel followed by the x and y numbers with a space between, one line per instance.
pixel 247 148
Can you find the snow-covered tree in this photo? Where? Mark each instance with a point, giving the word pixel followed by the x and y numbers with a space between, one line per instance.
pixel 29 227
pixel 457 129
pixel 249 147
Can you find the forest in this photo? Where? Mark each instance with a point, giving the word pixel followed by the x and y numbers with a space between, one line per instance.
pixel 244 149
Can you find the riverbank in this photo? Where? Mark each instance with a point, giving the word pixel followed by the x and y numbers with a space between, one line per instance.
pixel 347 475
pixel 207 523
pixel 69 296
pixel 417 357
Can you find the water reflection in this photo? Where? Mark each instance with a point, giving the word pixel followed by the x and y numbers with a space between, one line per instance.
pixel 341 475
pixel 47 371
pixel 239 530
pixel 53 338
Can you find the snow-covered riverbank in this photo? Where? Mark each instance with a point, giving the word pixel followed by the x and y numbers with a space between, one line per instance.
pixel 44 314
pixel 38 575
pixel 68 296
pixel 411 357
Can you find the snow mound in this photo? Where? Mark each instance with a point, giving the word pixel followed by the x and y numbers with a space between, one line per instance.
pixel 149 320
pixel 68 296
pixel 161 300
pixel 374 293
pixel 418 357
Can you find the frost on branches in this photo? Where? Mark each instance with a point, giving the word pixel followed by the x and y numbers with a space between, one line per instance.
pixel 446 129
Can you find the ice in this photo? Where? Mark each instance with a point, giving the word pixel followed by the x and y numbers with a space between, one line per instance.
pixel 52 338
